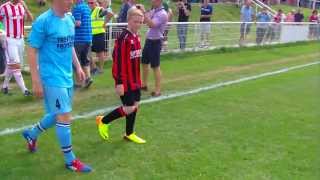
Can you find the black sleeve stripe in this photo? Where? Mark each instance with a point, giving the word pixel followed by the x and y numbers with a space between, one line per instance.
pixel 121 42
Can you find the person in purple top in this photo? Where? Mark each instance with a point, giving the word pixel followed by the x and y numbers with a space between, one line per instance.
pixel 156 19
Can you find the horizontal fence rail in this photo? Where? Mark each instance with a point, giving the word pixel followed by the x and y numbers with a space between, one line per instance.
pixel 197 36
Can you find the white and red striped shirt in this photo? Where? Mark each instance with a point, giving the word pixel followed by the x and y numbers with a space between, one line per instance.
pixel 12 16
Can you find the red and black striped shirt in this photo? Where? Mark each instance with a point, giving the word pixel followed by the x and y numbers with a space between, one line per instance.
pixel 126 61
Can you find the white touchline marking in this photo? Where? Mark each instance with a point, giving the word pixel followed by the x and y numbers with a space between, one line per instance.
pixel 9 131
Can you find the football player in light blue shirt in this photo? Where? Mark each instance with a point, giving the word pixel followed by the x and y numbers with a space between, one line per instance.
pixel 52 58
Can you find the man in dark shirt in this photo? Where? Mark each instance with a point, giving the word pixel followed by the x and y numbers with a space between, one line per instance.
pixel 126 5
pixel 205 29
pixel 184 10
pixel 122 16
pixel 298 17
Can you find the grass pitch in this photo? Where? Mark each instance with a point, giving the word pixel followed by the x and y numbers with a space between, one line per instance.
pixel 262 129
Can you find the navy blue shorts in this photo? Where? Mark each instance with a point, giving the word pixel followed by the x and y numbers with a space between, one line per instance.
pixel 98 43
pixel 151 53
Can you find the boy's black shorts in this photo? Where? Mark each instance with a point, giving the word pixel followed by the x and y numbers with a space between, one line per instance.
pixel 130 97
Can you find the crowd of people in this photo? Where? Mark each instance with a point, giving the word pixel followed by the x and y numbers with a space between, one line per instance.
pixel 269 27
pixel 91 41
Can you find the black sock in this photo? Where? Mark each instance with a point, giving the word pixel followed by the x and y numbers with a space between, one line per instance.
pixel 130 120
pixel 115 114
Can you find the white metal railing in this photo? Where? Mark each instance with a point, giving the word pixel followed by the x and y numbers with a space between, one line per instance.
pixel 260 4
pixel 195 36
pixel 191 36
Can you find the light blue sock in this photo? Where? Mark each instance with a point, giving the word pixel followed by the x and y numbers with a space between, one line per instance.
pixel 64 137
pixel 45 123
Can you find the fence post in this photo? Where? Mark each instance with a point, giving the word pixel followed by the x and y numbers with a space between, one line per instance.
pixel 245 31
pixel 110 40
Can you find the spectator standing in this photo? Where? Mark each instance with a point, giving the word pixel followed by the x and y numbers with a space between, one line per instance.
pixel 276 27
pixel 166 32
pixel 156 20
pixel 313 28
pixel 299 17
pixel 290 16
pixel 107 11
pixel 246 19
pixel 122 16
pixel 184 10
pixel 126 5
pixel 279 17
pixel 263 18
pixel 98 33
pixel 205 29
pixel 83 38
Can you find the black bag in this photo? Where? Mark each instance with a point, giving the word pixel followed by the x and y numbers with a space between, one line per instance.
pixel 2 60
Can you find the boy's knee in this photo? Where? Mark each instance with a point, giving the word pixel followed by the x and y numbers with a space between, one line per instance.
pixel 14 67
pixel 130 109
pixel 66 117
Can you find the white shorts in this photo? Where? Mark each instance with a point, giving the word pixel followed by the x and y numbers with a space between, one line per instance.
pixel 205 28
pixel 14 50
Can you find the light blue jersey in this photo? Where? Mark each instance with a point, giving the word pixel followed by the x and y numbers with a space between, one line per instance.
pixel 53 36
pixel 246 14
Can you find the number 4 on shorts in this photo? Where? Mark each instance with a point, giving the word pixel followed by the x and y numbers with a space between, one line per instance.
pixel 58 104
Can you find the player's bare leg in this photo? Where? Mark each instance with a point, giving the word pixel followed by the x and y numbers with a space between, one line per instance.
pixel 145 76
pixel 157 77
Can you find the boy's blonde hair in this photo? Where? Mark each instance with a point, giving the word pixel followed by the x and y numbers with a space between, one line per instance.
pixel 134 11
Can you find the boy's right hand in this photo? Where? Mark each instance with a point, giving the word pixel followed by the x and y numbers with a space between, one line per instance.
pixel 120 89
